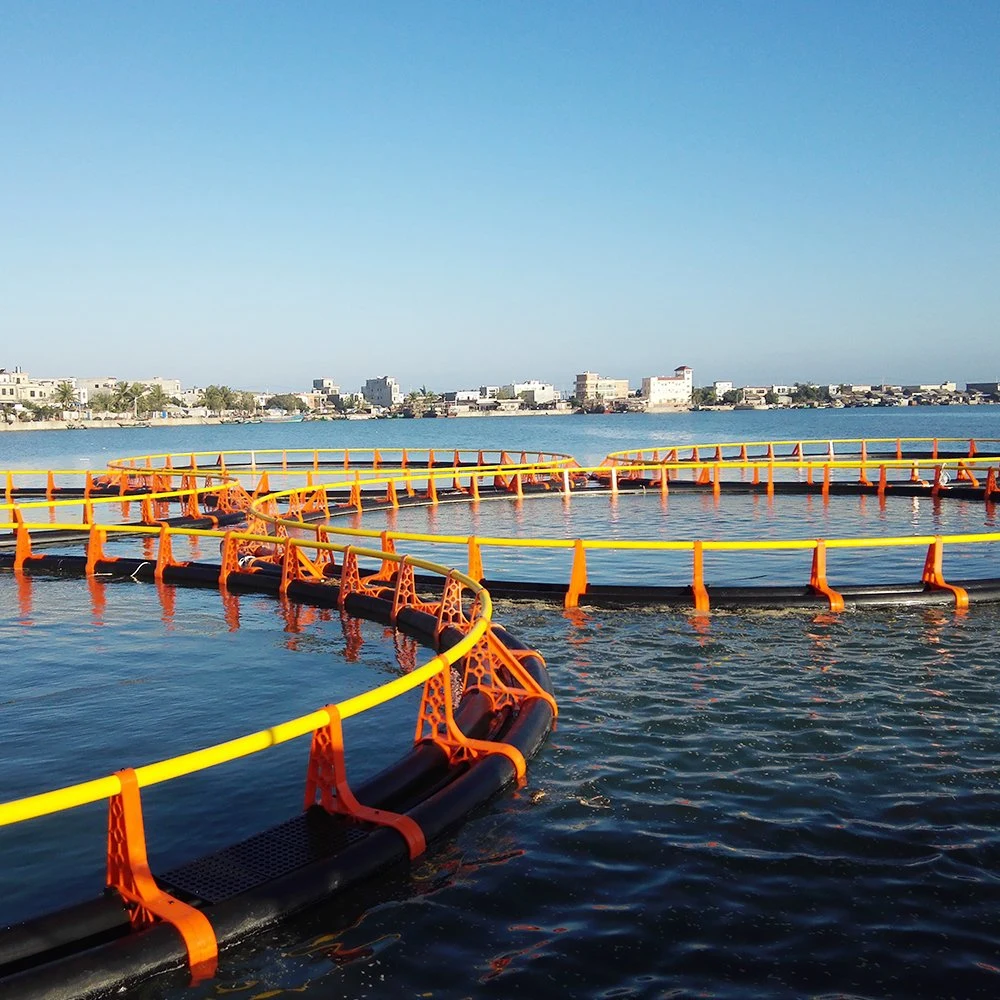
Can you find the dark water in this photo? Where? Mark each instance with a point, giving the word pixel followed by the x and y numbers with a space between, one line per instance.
pixel 757 805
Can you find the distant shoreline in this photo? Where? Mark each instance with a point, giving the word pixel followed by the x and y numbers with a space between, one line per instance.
pixel 110 425
pixel 114 425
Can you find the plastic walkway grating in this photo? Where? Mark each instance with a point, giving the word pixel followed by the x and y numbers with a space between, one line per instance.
pixel 269 855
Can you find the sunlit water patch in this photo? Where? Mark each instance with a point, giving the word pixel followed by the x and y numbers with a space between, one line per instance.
pixel 769 805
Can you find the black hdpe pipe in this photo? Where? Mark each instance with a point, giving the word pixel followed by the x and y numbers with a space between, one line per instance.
pixel 421 784
pixel 735 598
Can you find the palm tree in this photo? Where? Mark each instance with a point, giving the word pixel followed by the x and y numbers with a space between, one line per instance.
pixel 212 399
pixel 102 401
pixel 65 396
pixel 156 400
pixel 127 397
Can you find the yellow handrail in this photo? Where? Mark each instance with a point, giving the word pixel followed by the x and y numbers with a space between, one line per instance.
pixel 101 788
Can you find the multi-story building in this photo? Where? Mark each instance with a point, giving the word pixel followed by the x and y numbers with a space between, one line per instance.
pixel 17 387
pixel 669 390
pixel 721 388
pixel 10 386
pixel 326 387
pixel 590 386
pixel 933 387
pixel 533 392
pixel 990 388
pixel 382 391
pixel 754 395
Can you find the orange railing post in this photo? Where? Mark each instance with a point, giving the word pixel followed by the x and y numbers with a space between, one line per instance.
pixel 578 576
pixel 698 589
pixel 129 875
pixel 933 576
pixel 817 580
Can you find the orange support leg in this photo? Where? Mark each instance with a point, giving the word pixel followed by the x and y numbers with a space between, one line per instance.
pixel 326 780
pixel 578 576
pixel 698 590
pixel 933 576
pixel 129 875
pixel 817 580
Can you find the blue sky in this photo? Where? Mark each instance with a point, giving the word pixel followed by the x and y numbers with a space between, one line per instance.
pixel 462 192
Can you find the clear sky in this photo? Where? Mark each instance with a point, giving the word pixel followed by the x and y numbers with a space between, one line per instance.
pixel 460 192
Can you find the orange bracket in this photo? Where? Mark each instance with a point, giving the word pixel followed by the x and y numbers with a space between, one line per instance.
pixel 934 577
pixel 817 581
pixel 578 576
pixel 22 550
pixel 475 560
pixel 405 593
pixel 95 550
pixel 701 602
pixel 450 610
pixel 164 553
pixel 436 723
pixel 128 873
pixel 326 779
pixel 511 659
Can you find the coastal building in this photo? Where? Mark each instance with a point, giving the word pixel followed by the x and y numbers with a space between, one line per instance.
pixel 382 391
pixel 669 390
pixel 754 395
pixel 591 386
pixel 11 385
pixel 326 387
pixel 17 387
pixel 721 388
pixel 533 392
pixel 932 387
pixel 314 400
pixel 989 388
pixel 465 397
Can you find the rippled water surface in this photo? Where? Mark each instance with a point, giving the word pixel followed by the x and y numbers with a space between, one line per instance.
pixel 769 805
pixel 753 805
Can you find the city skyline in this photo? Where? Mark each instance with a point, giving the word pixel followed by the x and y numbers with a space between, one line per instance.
pixel 807 192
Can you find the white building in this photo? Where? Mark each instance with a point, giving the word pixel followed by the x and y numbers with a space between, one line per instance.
pixel 382 391
pixel 721 388
pixel 17 387
pixel 591 386
pixel 933 387
pixel 669 390
pixel 326 387
pixel 533 392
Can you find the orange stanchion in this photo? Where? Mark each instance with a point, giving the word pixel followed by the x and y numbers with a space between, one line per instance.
pixel 817 579
pixel 129 875
pixel 95 550
pixel 326 782
pixel 698 589
pixel 991 485
pixel 164 554
pixel 578 576
pixel 436 724
pixel 933 576
pixel 475 560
